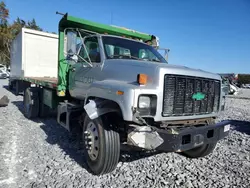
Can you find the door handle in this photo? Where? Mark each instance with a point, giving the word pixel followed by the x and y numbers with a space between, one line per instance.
pixel 73 69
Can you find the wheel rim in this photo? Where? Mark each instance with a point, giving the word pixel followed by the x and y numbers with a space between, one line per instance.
pixel 92 141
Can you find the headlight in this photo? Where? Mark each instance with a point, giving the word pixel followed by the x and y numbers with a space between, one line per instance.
pixel 144 102
pixel 147 104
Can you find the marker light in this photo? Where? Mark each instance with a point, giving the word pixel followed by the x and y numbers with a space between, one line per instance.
pixel 142 79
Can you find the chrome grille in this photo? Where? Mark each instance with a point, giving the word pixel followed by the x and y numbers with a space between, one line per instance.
pixel 178 92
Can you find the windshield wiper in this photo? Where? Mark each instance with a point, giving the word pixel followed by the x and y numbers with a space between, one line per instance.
pixel 133 57
pixel 155 60
pixel 128 56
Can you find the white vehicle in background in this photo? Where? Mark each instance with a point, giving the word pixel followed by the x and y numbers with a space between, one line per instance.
pixel 3 74
pixel 3 67
pixel 8 73
pixel 234 90
pixel 4 70
pixel 247 86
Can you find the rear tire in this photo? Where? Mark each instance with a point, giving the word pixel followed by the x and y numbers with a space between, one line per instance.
pixel 200 151
pixel 10 87
pixel 102 149
pixel 16 88
pixel 44 110
pixel 31 103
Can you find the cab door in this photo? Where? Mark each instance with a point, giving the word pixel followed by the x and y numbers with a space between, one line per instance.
pixel 88 67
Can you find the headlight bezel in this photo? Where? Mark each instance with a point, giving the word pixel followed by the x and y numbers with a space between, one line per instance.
pixel 151 109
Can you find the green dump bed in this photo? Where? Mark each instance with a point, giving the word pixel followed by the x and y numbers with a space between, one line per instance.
pixel 70 21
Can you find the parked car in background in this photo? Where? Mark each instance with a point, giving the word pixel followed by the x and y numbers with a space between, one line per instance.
pixel 3 74
pixel 8 73
pixel 225 85
pixel 247 86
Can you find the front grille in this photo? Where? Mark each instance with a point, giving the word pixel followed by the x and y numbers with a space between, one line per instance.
pixel 178 93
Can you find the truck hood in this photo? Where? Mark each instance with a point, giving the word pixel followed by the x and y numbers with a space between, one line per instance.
pixel 127 70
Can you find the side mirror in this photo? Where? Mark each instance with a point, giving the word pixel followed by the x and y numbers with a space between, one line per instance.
pixel 165 53
pixel 71 43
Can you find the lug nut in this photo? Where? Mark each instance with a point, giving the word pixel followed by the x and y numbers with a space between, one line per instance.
pixel 86 133
pixel 89 137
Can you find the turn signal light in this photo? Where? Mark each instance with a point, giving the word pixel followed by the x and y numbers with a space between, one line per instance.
pixel 142 79
pixel 119 92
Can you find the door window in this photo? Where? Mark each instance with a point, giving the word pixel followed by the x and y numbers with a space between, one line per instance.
pixel 92 50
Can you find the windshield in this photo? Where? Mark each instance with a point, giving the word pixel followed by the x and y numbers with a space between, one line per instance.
pixel 116 48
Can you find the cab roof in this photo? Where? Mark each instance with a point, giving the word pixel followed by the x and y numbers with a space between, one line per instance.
pixel 70 21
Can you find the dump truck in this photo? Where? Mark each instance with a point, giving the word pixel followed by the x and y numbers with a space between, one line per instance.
pixel 118 87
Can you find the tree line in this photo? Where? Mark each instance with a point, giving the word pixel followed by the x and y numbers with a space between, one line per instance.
pixel 243 79
pixel 8 31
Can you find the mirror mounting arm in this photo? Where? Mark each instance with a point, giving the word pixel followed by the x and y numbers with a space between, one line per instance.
pixel 83 39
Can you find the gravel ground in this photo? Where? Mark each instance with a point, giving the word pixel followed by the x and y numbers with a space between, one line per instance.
pixel 242 93
pixel 42 154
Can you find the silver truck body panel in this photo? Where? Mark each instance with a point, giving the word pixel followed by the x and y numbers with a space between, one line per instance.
pixel 106 78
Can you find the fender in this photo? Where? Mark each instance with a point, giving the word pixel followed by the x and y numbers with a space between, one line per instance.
pixel 107 90
pixel 98 107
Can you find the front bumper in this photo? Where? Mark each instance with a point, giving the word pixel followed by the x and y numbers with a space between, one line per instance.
pixel 189 138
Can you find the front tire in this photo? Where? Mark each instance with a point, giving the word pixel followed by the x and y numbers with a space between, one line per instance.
pixel 200 151
pixel 101 145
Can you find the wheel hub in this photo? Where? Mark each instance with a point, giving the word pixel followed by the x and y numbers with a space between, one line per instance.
pixel 92 140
